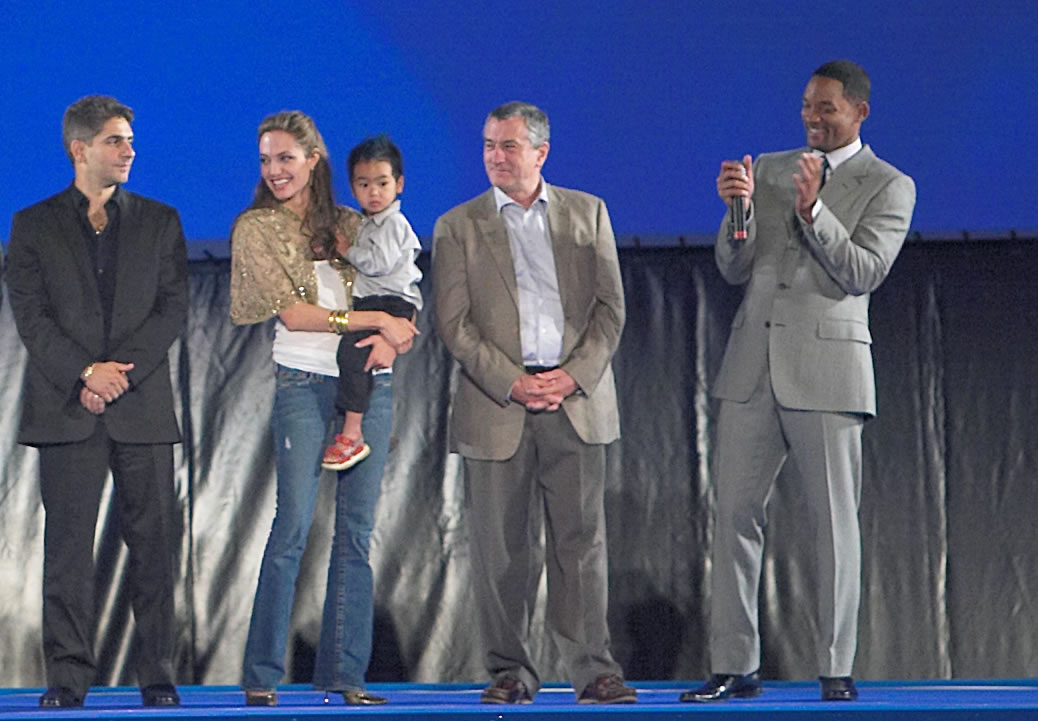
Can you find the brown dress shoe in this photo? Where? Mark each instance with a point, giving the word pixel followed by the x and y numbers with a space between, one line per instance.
pixel 608 689
pixel 362 698
pixel 261 698
pixel 506 690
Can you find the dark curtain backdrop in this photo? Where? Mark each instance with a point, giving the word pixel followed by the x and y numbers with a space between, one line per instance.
pixel 948 512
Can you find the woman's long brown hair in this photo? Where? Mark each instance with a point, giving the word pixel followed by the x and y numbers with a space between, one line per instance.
pixel 323 214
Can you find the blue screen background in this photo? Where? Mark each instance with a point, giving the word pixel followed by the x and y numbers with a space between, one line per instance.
pixel 645 97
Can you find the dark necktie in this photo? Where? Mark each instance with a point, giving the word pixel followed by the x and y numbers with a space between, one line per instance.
pixel 825 172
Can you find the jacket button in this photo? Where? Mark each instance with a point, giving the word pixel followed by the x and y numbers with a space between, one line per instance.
pixel 767 324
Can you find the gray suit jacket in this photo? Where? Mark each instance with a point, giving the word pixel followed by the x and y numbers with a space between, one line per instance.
pixel 806 306
pixel 477 317
pixel 57 309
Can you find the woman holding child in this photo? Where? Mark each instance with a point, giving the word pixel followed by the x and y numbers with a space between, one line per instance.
pixel 286 261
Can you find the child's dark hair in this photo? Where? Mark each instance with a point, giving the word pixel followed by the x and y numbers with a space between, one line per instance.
pixel 378 147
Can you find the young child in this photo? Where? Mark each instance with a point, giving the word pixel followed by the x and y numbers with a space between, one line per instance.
pixel 384 255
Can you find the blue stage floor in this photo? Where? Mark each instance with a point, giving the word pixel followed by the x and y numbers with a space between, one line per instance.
pixel 882 700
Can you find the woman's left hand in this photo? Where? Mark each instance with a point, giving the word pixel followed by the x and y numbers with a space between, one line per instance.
pixel 382 352
pixel 400 332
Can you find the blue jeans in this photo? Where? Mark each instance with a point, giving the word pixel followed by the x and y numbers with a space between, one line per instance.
pixel 304 406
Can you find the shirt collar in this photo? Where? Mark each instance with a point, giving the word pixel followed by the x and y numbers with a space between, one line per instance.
pixel 81 201
pixel 379 217
pixel 841 155
pixel 501 199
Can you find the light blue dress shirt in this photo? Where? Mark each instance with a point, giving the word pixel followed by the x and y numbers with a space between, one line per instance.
pixel 540 306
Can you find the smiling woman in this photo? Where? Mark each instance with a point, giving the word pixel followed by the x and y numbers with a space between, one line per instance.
pixel 287 263
pixel 286 169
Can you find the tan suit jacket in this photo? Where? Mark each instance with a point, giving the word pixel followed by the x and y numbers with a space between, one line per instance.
pixel 477 317
pixel 805 311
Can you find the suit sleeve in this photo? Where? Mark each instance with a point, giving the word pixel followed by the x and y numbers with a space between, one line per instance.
pixel 734 258
pixel 148 344
pixel 57 356
pixel 858 261
pixel 592 354
pixel 486 364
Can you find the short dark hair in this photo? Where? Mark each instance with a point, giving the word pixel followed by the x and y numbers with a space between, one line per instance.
pixel 856 83
pixel 375 148
pixel 538 130
pixel 86 117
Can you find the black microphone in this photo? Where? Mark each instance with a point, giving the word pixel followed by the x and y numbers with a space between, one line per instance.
pixel 739 215
pixel 739 218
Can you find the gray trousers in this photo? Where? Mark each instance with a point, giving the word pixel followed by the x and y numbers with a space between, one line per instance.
pixel 754 440
pixel 554 481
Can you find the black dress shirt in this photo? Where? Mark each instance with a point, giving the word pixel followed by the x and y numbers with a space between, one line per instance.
pixel 101 246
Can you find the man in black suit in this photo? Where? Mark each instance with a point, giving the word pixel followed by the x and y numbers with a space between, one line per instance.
pixel 97 283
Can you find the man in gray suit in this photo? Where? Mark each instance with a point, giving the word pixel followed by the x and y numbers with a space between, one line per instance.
pixel 529 302
pixel 797 379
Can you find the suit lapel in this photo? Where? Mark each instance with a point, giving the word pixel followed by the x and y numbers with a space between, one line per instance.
pixel 786 182
pixel 70 233
pixel 128 260
pixel 494 237
pixel 850 176
pixel 560 230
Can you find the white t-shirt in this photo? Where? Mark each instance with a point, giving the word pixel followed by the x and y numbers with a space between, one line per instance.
pixel 306 350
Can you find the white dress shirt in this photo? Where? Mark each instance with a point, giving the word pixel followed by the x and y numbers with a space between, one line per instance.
pixel 540 306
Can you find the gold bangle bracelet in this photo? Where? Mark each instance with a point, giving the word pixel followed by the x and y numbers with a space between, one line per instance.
pixel 339 322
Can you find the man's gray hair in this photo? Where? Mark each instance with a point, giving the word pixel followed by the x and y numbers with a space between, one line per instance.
pixel 537 128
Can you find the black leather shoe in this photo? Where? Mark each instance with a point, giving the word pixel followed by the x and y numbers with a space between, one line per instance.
pixel 60 697
pixel 256 697
pixel 838 688
pixel 723 686
pixel 506 690
pixel 160 694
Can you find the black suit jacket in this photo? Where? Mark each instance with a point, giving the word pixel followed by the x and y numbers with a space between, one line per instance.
pixel 57 309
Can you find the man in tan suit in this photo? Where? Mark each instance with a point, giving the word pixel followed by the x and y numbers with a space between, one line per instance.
pixel 529 302
pixel 796 379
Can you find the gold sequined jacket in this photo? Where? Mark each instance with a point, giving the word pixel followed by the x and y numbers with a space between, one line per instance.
pixel 272 264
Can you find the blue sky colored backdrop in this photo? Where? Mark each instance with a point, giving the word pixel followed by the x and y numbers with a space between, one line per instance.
pixel 646 97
